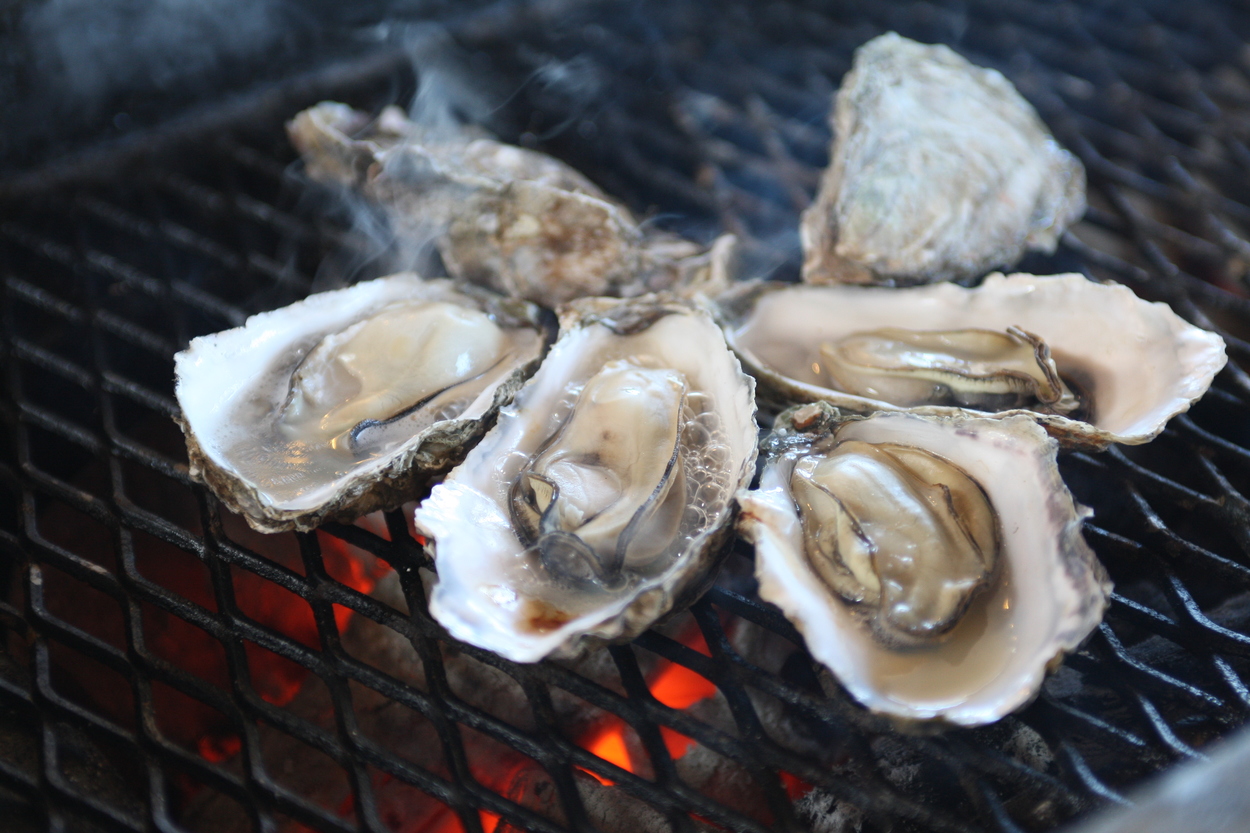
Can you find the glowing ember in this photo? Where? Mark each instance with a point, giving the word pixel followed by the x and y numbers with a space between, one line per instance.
pixel 795 787
pixel 448 822
pixel 673 685
pixel 353 567
pixel 216 748
pixel 275 678
pixel 609 744
pixel 679 687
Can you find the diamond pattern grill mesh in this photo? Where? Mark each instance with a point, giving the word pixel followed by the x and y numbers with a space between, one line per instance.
pixel 147 683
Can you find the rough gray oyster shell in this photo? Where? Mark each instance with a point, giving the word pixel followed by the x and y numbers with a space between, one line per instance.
pixel 939 170
pixel 517 221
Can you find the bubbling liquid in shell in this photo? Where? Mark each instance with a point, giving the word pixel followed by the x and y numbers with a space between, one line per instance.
pixel 702 449
pixel 358 393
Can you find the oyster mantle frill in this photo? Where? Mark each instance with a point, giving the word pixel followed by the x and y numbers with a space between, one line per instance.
pixel 603 496
pixel 348 401
pixel 999 623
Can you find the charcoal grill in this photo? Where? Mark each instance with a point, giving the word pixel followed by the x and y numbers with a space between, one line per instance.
pixel 704 118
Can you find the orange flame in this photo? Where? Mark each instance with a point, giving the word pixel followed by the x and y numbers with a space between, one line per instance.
pixel 216 748
pixel 673 685
pixel 448 822
pixel 678 687
pixel 795 786
pixel 609 743
pixel 276 679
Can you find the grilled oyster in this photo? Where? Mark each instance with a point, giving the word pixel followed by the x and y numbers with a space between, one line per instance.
pixel 989 370
pixel 1092 362
pixel 934 565
pixel 939 170
pixel 517 221
pixel 348 401
pixel 603 495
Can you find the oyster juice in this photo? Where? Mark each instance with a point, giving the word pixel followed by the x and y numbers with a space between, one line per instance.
pixel 1091 362
pixel 898 531
pixel 342 403
pixel 603 496
pixel 936 568
pixel 987 370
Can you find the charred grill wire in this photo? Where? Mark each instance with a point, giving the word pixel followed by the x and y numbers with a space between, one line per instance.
pixel 713 121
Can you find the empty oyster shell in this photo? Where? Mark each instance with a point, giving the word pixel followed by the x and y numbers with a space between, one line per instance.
pixel 517 221
pixel 348 401
pixel 939 170
pixel 1131 365
pixel 918 506
pixel 604 494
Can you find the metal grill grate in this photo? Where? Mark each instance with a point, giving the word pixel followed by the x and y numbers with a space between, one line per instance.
pixel 715 118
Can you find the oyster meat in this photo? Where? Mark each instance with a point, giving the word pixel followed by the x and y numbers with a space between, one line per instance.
pixel 604 494
pixel 517 221
pixel 990 370
pixel 348 401
pixel 1092 362
pixel 898 530
pixel 934 565
pixel 939 170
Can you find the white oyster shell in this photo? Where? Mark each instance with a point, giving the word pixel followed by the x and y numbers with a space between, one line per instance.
pixel 1139 363
pixel 1048 594
pixel 939 170
pixel 491 592
pixel 515 220
pixel 294 473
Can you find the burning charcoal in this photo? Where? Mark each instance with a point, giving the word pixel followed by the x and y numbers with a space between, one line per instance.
pixel 939 170
pixel 384 722
pixel 786 724
pixel 700 769
pixel 518 221
pixel 822 812
pixel 722 779
pixel 80 761
pixel 609 808
pixel 707 772
pixel 181 719
pixel 402 731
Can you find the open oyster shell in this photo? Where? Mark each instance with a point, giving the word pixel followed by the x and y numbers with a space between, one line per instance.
pixel 1133 364
pixel 939 170
pixel 1045 594
pixel 604 494
pixel 512 219
pixel 349 401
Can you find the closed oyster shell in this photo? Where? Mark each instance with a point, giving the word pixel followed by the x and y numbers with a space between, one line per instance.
pixel 515 220
pixel 239 389
pixel 1136 363
pixel 500 590
pixel 1047 593
pixel 939 170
